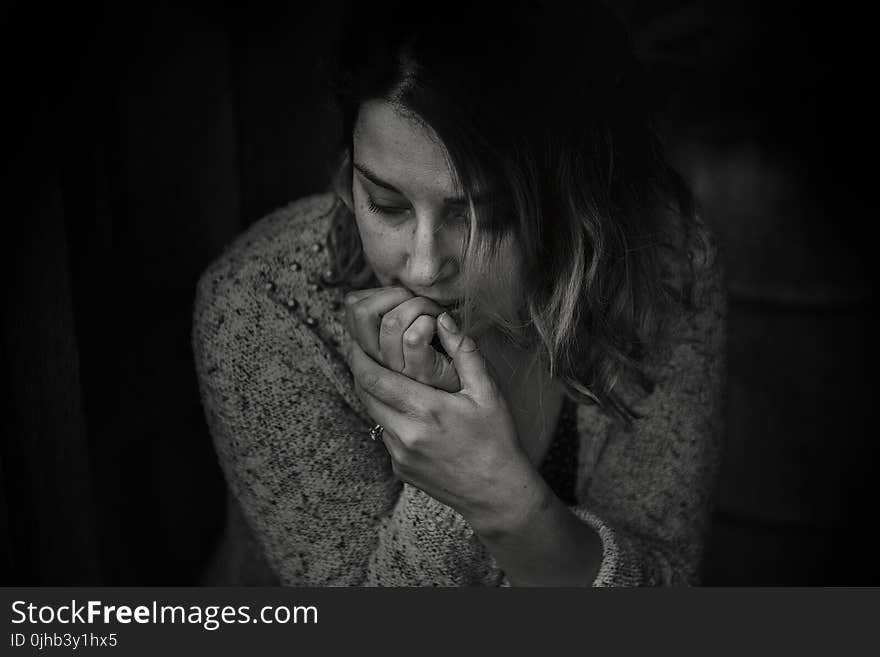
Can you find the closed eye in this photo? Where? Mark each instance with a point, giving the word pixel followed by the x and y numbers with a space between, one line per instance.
pixel 456 215
pixel 385 209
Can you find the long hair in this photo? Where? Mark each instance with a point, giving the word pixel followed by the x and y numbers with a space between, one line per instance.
pixel 546 114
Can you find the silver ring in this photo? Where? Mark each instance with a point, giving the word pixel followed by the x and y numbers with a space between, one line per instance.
pixel 376 432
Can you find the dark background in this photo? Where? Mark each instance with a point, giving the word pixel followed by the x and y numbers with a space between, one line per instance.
pixel 139 141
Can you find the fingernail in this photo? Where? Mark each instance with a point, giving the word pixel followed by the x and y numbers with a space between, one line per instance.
pixel 448 323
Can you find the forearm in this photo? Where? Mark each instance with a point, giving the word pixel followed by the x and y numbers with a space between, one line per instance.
pixel 539 541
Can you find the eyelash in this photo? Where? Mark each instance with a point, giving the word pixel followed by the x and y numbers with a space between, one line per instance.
pixel 384 209
pixel 394 211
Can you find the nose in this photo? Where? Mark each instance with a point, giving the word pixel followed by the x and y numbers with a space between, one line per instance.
pixel 430 259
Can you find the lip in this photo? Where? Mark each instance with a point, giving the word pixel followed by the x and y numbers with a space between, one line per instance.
pixel 449 305
pixel 446 303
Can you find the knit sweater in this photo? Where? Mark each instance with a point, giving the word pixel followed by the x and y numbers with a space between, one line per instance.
pixel 313 498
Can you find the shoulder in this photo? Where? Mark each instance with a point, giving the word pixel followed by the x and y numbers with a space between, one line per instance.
pixel 689 357
pixel 292 229
pixel 687 371
pixel 692 271
pixel 703 312
pixel 691 262
pixel 286 245
pixel 268 281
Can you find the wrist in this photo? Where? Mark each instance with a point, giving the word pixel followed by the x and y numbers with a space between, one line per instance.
pixel 520 496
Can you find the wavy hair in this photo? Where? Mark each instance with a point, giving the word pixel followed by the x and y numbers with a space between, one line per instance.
pixel 547 115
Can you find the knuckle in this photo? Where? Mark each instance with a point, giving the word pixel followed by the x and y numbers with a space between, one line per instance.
pixel 433 417
pixel 412 337
pixel 467 345
pixel 412 442
pixel 429 416
pixel 391 324
pixel 361 393
pixel 371 381
pixel 360 312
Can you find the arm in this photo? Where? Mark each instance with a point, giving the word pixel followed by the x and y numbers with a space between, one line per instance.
pixel 285 438
pixel 645 492
pixel 326 508
pixel 320 499
pixel 294 450
pixel 647 498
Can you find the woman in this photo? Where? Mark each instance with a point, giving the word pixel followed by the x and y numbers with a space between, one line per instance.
pixel 494 355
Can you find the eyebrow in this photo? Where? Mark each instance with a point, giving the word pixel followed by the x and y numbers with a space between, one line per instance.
pixel 376 180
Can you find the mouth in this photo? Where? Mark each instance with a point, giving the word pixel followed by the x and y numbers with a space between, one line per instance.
pixel 447 305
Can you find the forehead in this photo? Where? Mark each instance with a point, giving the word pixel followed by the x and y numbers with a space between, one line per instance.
pixel 402 150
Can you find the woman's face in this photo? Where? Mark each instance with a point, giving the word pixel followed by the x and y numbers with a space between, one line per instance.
pixel 412 223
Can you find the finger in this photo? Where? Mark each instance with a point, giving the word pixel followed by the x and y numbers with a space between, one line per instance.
pixel 350 299
pixel 356 295
pixel 417 351
pixel 396 390
pixel 473 372
pixel 365 312
pixel 423 362
pixel 388 417
pixel 396 322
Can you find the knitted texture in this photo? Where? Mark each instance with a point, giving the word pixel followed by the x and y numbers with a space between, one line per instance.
pixel 317 500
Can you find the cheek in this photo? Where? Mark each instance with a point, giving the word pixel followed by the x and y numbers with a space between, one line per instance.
pixel 380 245
pixel 500 288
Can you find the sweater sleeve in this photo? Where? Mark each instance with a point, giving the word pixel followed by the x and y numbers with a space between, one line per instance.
pixel 318 496
pixel 293 447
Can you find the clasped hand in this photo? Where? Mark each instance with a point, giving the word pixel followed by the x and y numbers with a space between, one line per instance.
pixel 448 429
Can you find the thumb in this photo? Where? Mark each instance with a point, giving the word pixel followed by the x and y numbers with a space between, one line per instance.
pixel 469 362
